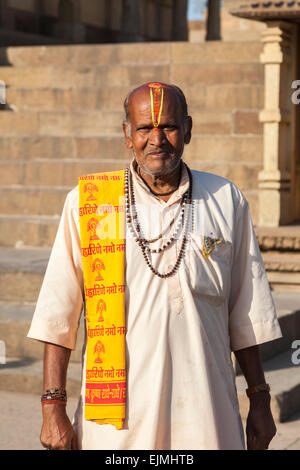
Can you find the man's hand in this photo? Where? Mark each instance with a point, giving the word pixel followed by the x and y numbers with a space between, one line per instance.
pixel 57 431
pixel 260 428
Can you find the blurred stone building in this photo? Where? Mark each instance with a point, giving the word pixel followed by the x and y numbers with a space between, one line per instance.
pixel 231 27
pixel 30 22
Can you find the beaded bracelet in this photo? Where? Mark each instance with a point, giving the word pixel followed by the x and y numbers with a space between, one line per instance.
pixel 56 390
pixel 258 388
pixel 54 395
pixel 54 402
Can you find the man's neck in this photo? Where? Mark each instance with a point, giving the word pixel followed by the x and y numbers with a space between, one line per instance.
pixel 162 186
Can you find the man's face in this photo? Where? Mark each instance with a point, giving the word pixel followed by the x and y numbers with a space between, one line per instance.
pixel 157 150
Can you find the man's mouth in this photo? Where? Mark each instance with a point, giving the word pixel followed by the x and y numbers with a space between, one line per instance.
pixel 157 153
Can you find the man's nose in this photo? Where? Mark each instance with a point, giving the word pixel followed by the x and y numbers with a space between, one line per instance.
pixel 157 136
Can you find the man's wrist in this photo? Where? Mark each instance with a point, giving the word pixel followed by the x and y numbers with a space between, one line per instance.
pixel 260 399
pixel 57 396
pixel 253 390
pixel 54 409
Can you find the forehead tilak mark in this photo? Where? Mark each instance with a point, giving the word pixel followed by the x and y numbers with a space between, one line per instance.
pixel 157 100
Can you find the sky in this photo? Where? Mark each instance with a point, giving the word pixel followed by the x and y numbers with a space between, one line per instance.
pixel 195 9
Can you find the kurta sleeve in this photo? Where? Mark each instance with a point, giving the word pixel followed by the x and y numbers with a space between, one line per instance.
pixel 59 306
pixel 252 314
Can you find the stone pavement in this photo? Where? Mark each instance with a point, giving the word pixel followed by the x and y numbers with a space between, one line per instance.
pixel 21 419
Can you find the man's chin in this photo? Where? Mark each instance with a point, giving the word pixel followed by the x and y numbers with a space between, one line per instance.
pixel 159 165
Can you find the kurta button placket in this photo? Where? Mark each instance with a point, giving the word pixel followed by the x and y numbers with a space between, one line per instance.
pixel 173 282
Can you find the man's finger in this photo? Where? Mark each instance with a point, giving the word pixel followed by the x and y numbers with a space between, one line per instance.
pixel 263 443
pixel 252 442
pixel 257 443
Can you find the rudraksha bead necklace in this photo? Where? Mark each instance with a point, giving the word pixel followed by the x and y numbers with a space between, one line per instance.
pixel 135 228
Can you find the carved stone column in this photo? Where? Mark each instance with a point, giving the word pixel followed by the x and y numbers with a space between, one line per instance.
pixel 278 117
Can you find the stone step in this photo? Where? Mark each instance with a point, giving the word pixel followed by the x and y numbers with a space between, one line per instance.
pixel 214 96
pixel 133 75
pixel 36 231
pixel 132 54
pixel 21 420
pixel 282 261
pixel 58 172
pixel 289 320
pixel 85 123
pixel 21 273
pixel 15 320
pixel 40 230
pixel 54 172
pixel 189 74
pixel 100 123
pixel 65 77
pixel 284 238
pixel 224 146
pixel 21 147
pixel 284 379
pixel 283 270
pixel 288 313
pixel 48 200
pixel 32 200
pixel 27 375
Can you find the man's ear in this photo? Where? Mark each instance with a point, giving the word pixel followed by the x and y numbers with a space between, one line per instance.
pixel 188 124
pixel 128 140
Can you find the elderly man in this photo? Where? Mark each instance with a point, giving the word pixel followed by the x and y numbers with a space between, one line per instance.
pixel 166 264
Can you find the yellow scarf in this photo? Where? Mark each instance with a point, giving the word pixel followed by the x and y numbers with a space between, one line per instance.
pixel 101 215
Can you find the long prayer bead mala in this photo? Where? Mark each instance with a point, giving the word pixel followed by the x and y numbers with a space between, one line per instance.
pixel 135 228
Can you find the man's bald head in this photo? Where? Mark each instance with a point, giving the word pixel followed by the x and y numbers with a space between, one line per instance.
pixel 157 127
pixel 172 90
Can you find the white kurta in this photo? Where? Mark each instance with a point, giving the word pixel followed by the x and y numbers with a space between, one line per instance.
pixel 180 331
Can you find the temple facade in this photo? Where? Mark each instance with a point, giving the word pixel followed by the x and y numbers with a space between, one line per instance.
pixel 279 181
pixel 30 22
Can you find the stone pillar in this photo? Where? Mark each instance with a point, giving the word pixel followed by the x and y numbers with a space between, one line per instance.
pixel 180 28
pixel 275 185
pixel 131 21
pixel 157 22
pixel 69 27
pixel 38 11
pixel 213 22
pixel 108 13
pixel 296 102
